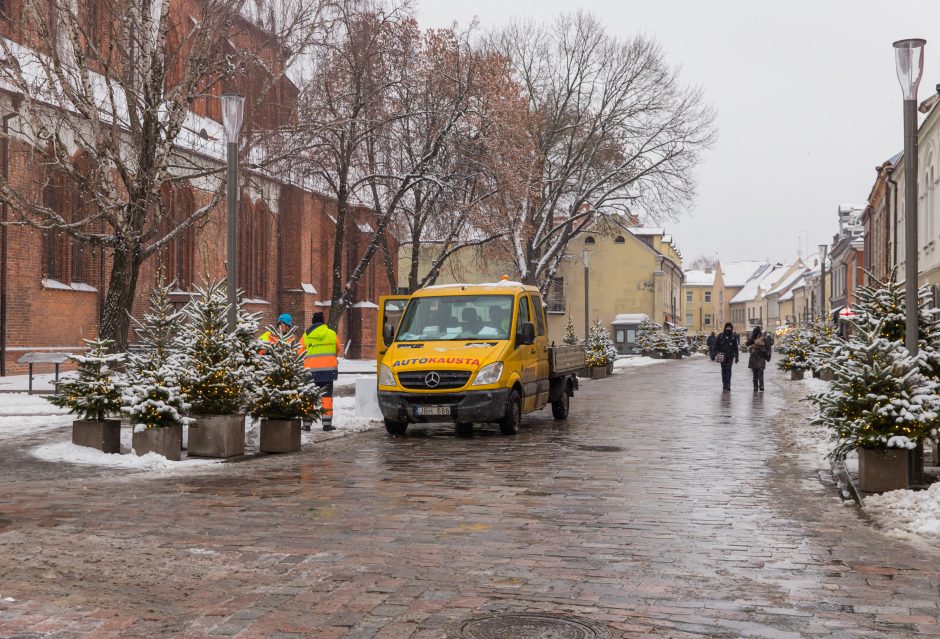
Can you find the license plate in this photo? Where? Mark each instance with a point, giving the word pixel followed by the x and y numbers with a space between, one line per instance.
pixel 432 410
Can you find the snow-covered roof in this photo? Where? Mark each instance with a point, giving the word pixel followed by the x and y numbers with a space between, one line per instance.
pixel 700 278
pixel 630 318
pixel 763 281
pixel 736 274
pixel 786 283
pixel 647 230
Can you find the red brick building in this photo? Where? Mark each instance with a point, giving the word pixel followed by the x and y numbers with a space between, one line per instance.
pixel 52 287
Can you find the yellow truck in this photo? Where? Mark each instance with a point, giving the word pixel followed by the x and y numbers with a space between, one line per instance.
pixel 470 353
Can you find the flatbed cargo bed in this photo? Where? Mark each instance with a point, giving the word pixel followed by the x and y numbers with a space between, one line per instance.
pixel 566 359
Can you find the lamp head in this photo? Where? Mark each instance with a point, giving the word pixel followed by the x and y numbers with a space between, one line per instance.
pixel 909 60
pixel 233 109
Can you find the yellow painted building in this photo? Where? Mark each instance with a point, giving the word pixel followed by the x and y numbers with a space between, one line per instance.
pixel 700 303
pixel 630 271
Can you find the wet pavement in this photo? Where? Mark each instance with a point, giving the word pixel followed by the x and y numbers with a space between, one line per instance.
pixel 661 508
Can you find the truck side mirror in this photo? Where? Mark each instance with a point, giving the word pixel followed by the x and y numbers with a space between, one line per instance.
pixel 527 335
pixel 387 333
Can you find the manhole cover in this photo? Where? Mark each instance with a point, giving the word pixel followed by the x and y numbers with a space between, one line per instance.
pixel 530 626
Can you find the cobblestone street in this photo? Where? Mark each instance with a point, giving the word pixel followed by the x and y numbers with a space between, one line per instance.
pixel 660 508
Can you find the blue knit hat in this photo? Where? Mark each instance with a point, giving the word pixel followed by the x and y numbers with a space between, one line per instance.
pixel 285 318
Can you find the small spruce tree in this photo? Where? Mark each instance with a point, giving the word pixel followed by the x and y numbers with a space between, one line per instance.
pixel 152 397
pixel 652 338
pixel 282 390
pixel 212 379
pixel 570 337
pixel 95 393
pixel 599 346
pixel 879 398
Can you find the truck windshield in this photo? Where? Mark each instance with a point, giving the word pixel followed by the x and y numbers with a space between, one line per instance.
pixel 457 317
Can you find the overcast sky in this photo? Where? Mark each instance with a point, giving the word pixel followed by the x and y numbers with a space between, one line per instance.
pixel 807 98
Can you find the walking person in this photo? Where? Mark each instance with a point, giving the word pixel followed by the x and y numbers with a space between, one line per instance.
pixel 321 348
pixel 726 351
pixel 710 342
pixel 759 355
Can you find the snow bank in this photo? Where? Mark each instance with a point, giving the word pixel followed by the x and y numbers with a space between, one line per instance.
pixel 907 514
pixel 72 454
pixel 635 361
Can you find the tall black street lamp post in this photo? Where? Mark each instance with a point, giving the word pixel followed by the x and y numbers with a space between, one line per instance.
pixel 232 113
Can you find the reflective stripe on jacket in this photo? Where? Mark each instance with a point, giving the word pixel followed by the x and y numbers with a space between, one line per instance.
pixel 321 346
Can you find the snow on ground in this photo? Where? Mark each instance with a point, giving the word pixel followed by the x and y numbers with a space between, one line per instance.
pixel 72 454
pixel 633 361
pixel 907 514
pixel 814 438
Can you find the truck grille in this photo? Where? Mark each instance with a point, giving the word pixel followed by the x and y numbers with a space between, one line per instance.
pixel 420 379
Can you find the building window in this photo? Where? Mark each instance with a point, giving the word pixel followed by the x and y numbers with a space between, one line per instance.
pixel 619 240
pixel 63 256
pixel 178 256
pixel 589 240
pixel 688 319
pixel 708 296
pixel 619 336
pixel 708 320
pixel 688 297
pixel 556 296
pixel 253 249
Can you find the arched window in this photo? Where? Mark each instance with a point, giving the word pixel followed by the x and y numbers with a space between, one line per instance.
pixel 589 240
pixel 252 248
pixel 619 240
pixel 178 256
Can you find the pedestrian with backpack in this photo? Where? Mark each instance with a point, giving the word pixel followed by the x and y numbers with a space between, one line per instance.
pixel 759 354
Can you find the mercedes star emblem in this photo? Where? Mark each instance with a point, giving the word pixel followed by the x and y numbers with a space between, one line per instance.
pixel 431 380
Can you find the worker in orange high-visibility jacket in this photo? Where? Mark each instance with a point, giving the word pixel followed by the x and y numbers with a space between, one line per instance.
pixel 321 349
pixel 284 323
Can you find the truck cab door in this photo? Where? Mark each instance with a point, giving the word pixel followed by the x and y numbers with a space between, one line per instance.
pixel 526 354
pixel 391 308
pixel 541 350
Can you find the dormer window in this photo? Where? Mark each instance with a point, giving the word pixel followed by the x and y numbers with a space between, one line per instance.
pixel 619 240
pixel 589 240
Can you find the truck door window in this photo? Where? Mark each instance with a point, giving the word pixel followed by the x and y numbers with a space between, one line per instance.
pixel 523 313
pixel 539 313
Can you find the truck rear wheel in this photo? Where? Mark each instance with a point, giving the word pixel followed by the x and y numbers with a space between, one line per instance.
pixel 509 425
pixel 396 428
pixel 560 406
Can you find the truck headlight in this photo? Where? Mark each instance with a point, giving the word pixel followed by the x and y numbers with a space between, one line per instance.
pixel 386 377
pixel 489 374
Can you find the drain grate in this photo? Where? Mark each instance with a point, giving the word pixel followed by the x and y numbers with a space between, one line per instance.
pixel 599 449
pixel 525 625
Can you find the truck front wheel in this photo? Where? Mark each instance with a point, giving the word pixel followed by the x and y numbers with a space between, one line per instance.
pixel 395 428
pixel 509 425
pixel 560 406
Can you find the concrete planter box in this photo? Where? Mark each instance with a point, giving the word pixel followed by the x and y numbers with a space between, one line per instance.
pixel 796 374
pixel 167 441
pixel 100 434
pixel 610 368
pixel 217 436
pixel 280 435
pixel 881 471
pixel 826 375
pixel 598 372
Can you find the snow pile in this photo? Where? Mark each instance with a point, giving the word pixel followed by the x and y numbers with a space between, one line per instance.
pixel 636 361
pixel 70 453
pixel 907 513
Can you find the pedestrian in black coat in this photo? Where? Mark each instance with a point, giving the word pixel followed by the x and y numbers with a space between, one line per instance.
pixel 758 347
pixel 711 344
pixel 727 348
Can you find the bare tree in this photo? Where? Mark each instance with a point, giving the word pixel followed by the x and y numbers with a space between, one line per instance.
pixel 613 129
pixel 455 205
pixel 108 91
pixel 386 104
